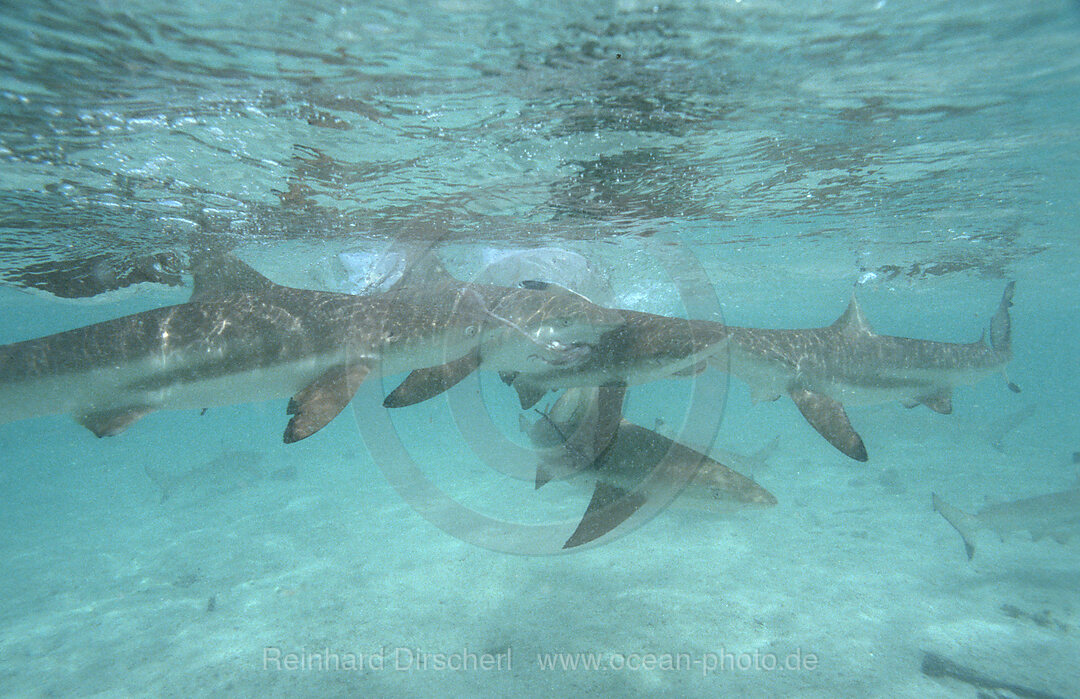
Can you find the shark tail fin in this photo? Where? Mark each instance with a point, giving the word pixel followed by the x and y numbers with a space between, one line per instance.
pixel 961 521
pixel 1001 325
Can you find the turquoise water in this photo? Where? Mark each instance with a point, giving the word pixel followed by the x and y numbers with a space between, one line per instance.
pixel 749 161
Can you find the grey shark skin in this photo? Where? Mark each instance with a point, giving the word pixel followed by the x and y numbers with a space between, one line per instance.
pixel 260 341
pixel 1056 515
pixel 621 462
pixel 566 329
pixel 821 369
pixel 846 363
pixel 646 348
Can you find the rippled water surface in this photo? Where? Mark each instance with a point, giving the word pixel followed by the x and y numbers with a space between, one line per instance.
pixel 933 138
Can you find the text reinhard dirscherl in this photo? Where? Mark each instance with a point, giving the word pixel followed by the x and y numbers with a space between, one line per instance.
pixel 404 659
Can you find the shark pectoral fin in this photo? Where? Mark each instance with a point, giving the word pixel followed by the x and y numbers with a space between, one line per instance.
pixel 827 416
pixel 109 423
pixel 320 402
pixel 961 521
pixel 609 404
pixel 528 395
pixel 426 383
pixel 610 506
pixel 940 402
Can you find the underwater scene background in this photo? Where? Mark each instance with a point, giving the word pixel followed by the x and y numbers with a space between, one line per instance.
pixel 749 162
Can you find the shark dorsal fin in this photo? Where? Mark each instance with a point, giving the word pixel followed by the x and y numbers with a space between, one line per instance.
pixel 537 285
pixel 425 270
pixel 852 320
pixel 218 274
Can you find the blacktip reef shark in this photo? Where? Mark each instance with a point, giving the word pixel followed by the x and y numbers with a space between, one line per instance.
pixel 820 369
pixel 847 363
pixel 243 338
pixel 1056 515
pixel 645 347
pixel 621 462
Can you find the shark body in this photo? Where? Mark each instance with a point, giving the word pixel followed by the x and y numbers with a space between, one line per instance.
pixel 243 338
pixel 1056 515
pixel 626 464
pixel 847 363
pixel 647 347
pixel 820 369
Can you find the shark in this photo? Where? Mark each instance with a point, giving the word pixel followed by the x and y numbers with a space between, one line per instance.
pixel 243 338
pixel 846 363
pixel 821 369
pixel 626 464
pixel 644 347
pixel 1056 515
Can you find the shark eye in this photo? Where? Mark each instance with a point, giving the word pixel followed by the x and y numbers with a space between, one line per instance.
pixel 471 330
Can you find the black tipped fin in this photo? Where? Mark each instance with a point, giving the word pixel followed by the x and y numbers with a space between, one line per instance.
pixel 109 423
pixel 961 521
pixel 610 506
pixel 426 383
pixel 827 416
pixel 321 401
pixel 528 395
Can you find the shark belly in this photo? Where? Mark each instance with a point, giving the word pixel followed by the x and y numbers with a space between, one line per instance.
pixel 151 384
pixel 882 385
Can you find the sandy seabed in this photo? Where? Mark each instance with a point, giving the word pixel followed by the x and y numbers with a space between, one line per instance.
pixel 272 570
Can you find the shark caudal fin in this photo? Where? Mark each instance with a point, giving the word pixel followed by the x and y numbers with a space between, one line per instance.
pixel 1001 325
pixel 961 521
pixel 1001 331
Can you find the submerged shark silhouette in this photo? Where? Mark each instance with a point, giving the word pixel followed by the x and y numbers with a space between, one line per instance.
pixel 624 463
pixel 243 338
pixel 1056 515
